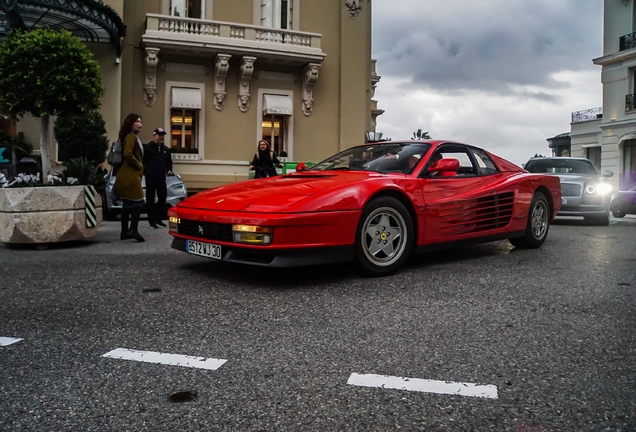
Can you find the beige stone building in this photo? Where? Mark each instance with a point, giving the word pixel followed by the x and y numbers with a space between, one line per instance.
pixel 219 75
pixel 608 133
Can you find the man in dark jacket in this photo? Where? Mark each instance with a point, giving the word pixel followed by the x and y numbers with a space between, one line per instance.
pixel 157 165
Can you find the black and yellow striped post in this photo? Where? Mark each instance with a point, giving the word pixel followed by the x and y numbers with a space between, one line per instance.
pixel 91 212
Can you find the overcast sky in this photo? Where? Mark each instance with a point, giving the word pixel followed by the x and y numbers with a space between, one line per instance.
pixel 504 75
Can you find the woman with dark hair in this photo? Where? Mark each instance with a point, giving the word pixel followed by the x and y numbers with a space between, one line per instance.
pixel 128 179
pixel 265 161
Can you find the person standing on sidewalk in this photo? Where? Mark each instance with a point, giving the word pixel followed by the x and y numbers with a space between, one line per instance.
pixel 128 180
pixel 157 165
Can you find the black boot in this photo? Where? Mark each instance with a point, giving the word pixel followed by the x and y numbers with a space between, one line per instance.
pixel 135 214
pixel 124 225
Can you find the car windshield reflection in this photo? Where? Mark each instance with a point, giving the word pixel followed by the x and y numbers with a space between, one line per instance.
pixel 561 166
pixel 399 158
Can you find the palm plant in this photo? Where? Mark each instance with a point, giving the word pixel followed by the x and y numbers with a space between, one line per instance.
pixel 420 136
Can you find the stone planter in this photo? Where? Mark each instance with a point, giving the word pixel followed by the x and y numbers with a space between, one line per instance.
pixel 46 214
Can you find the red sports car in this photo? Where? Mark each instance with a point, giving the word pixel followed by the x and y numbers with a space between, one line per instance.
pixel 374 204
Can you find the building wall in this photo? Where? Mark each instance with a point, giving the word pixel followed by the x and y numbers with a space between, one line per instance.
pixel 341 94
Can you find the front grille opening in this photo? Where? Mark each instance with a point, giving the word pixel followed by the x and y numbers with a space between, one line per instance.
pixel 206 230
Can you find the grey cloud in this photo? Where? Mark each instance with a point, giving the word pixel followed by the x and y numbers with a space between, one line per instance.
pixel 474 48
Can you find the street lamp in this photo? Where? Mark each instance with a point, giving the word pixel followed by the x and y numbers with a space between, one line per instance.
pixel 373 136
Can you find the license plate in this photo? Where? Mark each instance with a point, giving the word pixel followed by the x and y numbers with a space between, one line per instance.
pixel 564 200
pixel 207 250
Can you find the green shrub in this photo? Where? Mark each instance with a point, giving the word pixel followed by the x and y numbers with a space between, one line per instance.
pixel 85 173
pixel 81 136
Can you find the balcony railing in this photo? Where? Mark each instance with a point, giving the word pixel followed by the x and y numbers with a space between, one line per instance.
pixel 629 102
pixel 162 30
pixel 587 115
pixel 627 42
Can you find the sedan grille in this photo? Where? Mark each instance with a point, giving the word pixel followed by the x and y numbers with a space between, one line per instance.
pixel 475 215
pixel 211 231
pixel 570 190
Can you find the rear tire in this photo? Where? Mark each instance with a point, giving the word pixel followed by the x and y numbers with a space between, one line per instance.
pixel 384 237
pixel 538 224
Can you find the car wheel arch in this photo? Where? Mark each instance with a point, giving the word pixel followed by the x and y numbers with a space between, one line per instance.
pixel 548 196
pixel 405 201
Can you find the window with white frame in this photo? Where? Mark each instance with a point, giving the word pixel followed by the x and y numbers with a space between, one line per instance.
pixel 185 116
pixel 277 13
pixel 187 8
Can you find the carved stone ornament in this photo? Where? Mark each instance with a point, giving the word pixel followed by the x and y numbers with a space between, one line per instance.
pixel 152 59
pixel 221 66
pixel 246 71
pixel 354 7
pixel 310 75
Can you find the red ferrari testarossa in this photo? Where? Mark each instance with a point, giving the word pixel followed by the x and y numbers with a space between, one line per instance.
pixel 374 204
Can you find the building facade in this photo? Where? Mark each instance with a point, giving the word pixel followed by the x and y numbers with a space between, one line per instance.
pixel 219 75
pixel 608 133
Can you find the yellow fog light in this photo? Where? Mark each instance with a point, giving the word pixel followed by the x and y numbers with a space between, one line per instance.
pixel 252 234
pixel 173 224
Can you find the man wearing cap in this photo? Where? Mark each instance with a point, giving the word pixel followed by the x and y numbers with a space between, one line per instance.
pixel 157 165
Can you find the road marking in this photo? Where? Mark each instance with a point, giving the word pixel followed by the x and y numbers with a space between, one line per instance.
pixel 4 341
pixel 167 359
pixel 422 385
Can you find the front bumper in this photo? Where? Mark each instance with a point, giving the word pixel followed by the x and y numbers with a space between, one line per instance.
pixel 278 257
pixel 584 206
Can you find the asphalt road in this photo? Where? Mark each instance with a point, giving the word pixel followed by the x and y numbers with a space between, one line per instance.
pixel 551 330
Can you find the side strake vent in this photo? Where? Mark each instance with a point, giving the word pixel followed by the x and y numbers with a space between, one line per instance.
pixel 475 215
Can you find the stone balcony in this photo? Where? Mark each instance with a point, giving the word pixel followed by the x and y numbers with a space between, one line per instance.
pixel 206 37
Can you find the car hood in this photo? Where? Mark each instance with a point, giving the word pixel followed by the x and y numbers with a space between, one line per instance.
pixel 271 195
pixel 576 178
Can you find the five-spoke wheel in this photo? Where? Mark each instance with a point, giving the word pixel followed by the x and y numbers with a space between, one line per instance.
pixel 538 223
pixel 384 238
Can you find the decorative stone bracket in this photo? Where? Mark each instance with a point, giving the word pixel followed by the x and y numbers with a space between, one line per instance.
pixel 354 7
pixel 246 71
pixel 152 59
pixel 310 75
pixel 221 66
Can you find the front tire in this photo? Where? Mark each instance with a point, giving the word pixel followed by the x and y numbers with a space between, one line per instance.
pixel 384 237
pixel 538 224
pixel 618 208
pixel 602 220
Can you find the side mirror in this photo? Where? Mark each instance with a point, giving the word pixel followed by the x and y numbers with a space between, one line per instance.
pixel 444 165
pixel 301 167
pixel 608 173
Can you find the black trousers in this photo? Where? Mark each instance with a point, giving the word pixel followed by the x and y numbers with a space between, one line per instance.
pixel 155 210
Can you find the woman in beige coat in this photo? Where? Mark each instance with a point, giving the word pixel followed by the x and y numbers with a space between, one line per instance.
pixel 128 178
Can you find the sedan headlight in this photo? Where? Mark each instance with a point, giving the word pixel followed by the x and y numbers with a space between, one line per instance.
pixel 252 234
pixel 600 189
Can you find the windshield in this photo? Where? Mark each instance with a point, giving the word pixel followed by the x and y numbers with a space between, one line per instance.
pixel 5 155
pixel 561 166
pixel 384 158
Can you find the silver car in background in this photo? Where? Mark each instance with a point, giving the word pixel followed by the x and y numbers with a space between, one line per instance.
pixel 112 204
pixel 583 192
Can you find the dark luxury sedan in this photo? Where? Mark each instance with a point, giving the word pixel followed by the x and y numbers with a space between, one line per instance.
pixel 583 191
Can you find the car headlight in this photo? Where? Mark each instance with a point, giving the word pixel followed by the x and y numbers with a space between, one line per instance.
pixel 252 234
pixel 600 189
pixel 173 224
pixel 604 188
